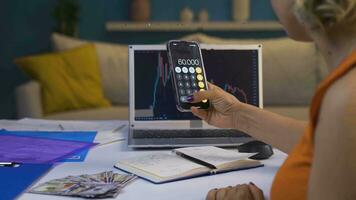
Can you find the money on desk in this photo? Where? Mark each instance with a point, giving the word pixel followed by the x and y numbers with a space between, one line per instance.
pixel 102 185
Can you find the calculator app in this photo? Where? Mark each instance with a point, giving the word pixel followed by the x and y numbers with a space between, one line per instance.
pixel 188 72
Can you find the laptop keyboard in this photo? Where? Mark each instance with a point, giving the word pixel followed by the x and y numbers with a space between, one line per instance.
pixel 189 133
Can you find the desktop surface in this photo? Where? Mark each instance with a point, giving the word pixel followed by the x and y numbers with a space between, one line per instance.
pixel 103 158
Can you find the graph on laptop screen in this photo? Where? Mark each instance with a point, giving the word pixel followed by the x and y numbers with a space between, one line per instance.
pixel 236 71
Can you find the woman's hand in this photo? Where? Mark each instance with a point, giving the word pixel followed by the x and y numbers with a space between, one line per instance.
pixel 239 192
pixel 223 107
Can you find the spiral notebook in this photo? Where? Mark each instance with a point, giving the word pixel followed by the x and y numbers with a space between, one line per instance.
pixel 184 163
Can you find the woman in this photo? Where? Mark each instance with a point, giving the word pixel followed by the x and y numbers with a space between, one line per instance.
pixel 321 163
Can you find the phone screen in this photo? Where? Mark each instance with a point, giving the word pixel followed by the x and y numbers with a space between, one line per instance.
pixel 189 74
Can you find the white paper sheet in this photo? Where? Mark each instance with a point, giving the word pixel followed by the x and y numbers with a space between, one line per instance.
pixel 71 125
pixel 14 125
pixel 108 130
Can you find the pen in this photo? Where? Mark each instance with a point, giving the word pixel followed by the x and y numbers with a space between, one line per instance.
pixel 61 127
pixel 9 164
pixel 119 128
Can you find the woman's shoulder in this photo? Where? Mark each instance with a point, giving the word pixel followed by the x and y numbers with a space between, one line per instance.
pixel 340 99
pixel 344 88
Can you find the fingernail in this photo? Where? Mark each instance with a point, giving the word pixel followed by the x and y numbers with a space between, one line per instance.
pixel 190 98
pixel 252 183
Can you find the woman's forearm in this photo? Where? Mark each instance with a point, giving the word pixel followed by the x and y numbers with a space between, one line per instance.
pixel 279 131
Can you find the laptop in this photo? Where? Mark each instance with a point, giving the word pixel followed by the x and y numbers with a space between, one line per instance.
pixel 153 115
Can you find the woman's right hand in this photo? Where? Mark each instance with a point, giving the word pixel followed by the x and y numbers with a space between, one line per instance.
pixel 223 108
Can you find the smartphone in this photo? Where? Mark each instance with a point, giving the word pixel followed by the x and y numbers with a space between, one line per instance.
pixel 188 73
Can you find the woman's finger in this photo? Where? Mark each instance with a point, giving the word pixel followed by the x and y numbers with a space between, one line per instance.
pixel 203 95
pixel 211 86
pixel 200 96
pixel 221 194
pixel 211 194
pixel 231 193
pixel 256 192
pixel 243 192
pixel 202 114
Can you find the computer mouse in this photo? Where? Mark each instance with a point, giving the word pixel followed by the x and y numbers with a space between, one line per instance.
pixel 262 149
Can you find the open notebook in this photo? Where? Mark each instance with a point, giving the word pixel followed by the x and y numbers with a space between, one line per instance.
pixel 186 163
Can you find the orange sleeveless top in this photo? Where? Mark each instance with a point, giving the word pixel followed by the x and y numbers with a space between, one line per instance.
pixel 291 181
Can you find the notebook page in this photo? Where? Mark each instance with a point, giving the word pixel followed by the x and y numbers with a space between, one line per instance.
pixel 214 155
pixel 163 164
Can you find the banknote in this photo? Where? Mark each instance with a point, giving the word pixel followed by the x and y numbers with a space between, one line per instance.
pixel 101 185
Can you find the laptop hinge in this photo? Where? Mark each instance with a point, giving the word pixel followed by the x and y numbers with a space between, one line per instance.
pixel 196 124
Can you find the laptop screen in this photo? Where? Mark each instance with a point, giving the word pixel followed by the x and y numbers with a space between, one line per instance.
pixel 236 71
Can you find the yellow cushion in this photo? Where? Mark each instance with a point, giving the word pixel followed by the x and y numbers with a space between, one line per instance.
pixel 69 79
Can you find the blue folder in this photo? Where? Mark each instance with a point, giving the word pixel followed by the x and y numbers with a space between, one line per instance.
pixel 87 136
pixel 15 180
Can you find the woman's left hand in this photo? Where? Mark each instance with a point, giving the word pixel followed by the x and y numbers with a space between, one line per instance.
pixel 239 192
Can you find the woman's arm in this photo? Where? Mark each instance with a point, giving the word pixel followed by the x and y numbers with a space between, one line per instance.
pixel 227 112
pixel 279 131
pixel 333 173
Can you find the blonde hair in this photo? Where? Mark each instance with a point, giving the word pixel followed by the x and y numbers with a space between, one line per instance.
pixel 328 14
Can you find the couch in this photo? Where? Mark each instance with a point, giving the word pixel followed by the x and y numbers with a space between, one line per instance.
pixel 291 72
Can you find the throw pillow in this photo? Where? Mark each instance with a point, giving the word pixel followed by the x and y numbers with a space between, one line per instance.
pixel 113 62
pixel 69 79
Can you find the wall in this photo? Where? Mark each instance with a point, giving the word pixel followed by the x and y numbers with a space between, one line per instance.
pixel 92 26
pixel 26 27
